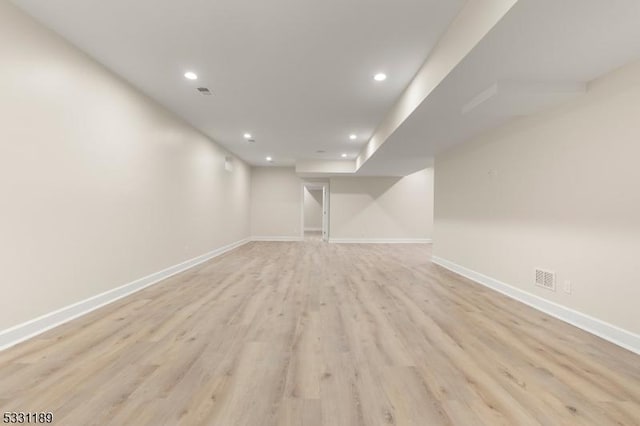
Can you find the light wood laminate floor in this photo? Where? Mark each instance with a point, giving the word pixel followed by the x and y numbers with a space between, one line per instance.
pixel 311 333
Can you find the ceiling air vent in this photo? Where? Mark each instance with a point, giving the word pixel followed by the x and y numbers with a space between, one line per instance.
pixel 204 91
pixel 546 279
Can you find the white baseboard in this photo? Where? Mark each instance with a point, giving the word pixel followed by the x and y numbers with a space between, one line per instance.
pixel 266 238
pixel 609 332
pixel 32 328
pixel 380 240
pixel 312 229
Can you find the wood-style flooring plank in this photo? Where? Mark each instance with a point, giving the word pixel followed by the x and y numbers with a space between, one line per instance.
pixel 317 334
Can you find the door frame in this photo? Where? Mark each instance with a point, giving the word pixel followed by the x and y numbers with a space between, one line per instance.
pixel 325 206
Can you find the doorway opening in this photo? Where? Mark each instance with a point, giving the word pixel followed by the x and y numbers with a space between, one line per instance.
pixel 315 211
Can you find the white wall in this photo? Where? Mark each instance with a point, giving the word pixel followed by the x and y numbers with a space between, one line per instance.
pixel 560 190
pixel 312 209
pixel 276 203
pixel 99 185
pixel 382 208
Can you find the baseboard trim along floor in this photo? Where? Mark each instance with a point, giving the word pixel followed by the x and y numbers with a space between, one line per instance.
pixel 380 240
pixel 609 332
pixel 34 327
pixel 276 238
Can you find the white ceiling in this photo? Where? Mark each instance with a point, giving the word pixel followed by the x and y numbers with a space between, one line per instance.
pixel 296 74
pixel 542 52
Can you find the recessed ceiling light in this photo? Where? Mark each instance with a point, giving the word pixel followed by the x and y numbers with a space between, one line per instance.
pixel 247 135
pixel 269 159
pixel 190 75
pixel 344 155
pixel 380 76
pixel 353 137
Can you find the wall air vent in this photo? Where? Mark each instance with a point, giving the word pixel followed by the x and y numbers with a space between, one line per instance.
pixel 546 279
pixel 204 91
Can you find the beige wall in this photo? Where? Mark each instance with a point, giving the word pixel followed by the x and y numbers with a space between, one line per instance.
pixel 99 185
pixel 361 208
pixel 560 190
pixel 313 209
pixel 276 202
pixel 382 207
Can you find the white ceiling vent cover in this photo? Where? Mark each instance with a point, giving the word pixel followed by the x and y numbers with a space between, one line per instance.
pixel 546 279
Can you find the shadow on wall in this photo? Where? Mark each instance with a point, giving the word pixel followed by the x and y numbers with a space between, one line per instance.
pixel 374 189
pixel 390 208
pixel 316 194
pixel 373 186
pixel 313 203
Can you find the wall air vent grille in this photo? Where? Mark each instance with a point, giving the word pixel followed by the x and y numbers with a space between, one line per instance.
pixel 546 279
pixel 204 91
